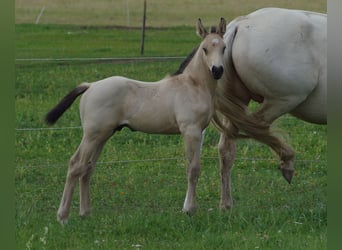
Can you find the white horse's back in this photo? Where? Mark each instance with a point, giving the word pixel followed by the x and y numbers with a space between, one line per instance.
pixel 280 55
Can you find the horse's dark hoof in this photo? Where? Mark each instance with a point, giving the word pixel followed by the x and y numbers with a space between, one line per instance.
pixel 287 174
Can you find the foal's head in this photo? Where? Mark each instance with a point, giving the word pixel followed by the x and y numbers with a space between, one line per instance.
pixel 213 46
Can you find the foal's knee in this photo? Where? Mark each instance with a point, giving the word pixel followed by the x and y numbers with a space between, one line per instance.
pixel 227 151
pixel 194 172
pixel 222 147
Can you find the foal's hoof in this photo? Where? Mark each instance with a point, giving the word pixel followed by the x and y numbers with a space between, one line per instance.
pixel 84 213
pixel 224 206
pixel 62 221
pixel 189 212
pixel 62 218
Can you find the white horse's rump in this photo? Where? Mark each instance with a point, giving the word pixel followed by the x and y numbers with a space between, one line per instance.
pixel 276 57
pixel 181 104
pixel 281 55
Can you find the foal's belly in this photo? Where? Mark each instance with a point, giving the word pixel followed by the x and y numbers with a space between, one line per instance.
pixel 154 126
pixel 155 120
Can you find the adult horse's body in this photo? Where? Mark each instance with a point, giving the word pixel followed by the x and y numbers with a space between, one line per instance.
pixel 276 57
pixel 181 104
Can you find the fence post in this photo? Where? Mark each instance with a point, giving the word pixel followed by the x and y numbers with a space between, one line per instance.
pixel 143 30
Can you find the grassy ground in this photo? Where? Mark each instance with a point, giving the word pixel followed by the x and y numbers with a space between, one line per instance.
pixel 136 201
pixel 159 13
pixel 56 41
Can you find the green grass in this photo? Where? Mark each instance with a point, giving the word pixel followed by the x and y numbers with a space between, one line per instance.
pixel 136 202
pixel 159 13
pixel 69 41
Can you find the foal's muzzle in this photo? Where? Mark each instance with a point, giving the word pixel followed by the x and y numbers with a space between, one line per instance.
pixel 217 72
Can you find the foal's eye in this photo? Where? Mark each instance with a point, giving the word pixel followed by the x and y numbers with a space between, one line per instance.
pixel 205 50
pixel 224 48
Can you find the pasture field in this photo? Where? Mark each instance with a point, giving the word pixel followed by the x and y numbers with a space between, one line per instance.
pixel 159 13
pixel 139 184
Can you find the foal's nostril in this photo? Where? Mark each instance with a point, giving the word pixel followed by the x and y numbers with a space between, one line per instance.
pixel 217 72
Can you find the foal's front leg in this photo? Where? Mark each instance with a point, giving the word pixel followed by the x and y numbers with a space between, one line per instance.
pixel 193 139
pixel 227 152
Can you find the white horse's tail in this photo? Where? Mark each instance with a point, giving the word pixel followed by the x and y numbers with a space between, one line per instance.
pixel 231 112
pixel 65 103
pixel 230 108
pixel 227 106
pixel 232 115
pixel 229 37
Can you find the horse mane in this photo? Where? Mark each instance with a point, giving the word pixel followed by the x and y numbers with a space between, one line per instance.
pixel 189 57
pixel 213 29
pixel 185 62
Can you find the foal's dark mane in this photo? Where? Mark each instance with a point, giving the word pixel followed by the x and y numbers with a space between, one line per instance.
pixel 186 62
pixel 189 57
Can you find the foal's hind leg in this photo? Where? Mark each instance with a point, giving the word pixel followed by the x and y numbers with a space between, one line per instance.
pixel 85 180
pixel 80 166
pixel 227 153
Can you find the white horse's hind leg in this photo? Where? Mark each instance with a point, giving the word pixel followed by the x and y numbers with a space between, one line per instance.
pixel 268 112
pixel 227 152
pixel 192 140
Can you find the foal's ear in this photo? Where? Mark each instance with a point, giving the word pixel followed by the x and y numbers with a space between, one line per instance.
pixel 200 30
pixel 222 27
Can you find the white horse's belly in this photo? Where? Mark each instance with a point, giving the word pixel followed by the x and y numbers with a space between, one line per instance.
pixel 314 108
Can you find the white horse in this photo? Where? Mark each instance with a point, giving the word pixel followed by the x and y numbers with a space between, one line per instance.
pixel 278 58
pixel 180 104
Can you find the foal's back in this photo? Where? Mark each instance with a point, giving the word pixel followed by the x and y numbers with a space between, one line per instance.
pixel 151 107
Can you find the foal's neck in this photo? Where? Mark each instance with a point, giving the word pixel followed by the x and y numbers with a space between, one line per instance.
pixel 198 70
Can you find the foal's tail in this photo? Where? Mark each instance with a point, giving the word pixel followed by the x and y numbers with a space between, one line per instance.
pixel 65 103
